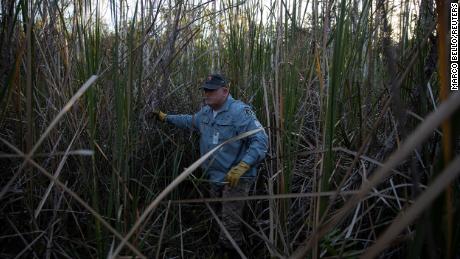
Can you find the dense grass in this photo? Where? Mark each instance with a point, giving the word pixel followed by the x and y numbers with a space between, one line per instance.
pixel 352 95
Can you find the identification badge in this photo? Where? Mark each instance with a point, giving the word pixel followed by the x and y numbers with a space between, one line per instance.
pixel 215 138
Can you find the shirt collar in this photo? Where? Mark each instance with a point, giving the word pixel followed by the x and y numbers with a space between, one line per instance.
pixel 225 106
pixel 227 103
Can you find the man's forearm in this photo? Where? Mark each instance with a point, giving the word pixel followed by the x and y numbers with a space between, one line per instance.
pixel 256 151
pixel 183 121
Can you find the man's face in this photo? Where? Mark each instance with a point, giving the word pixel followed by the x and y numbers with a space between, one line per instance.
pixel 215 98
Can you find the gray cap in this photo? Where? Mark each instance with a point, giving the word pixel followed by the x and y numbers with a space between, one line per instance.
pixel 214 81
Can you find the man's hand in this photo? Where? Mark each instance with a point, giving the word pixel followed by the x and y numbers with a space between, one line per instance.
pixel 161 116
pixel 233 176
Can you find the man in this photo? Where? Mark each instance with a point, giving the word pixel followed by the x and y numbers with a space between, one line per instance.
pixel 232 169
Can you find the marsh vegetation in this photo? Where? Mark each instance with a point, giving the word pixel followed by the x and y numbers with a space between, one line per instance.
pixel 363 155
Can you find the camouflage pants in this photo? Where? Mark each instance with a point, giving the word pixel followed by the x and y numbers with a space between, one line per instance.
pixel 231 208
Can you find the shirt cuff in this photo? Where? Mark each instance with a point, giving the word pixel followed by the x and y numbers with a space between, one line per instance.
pixel 249 159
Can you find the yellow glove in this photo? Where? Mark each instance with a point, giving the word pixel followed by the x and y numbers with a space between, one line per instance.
pixel 233 176
pixel 159 115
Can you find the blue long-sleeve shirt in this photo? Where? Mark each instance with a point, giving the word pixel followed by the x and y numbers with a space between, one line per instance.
pixel 234 118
